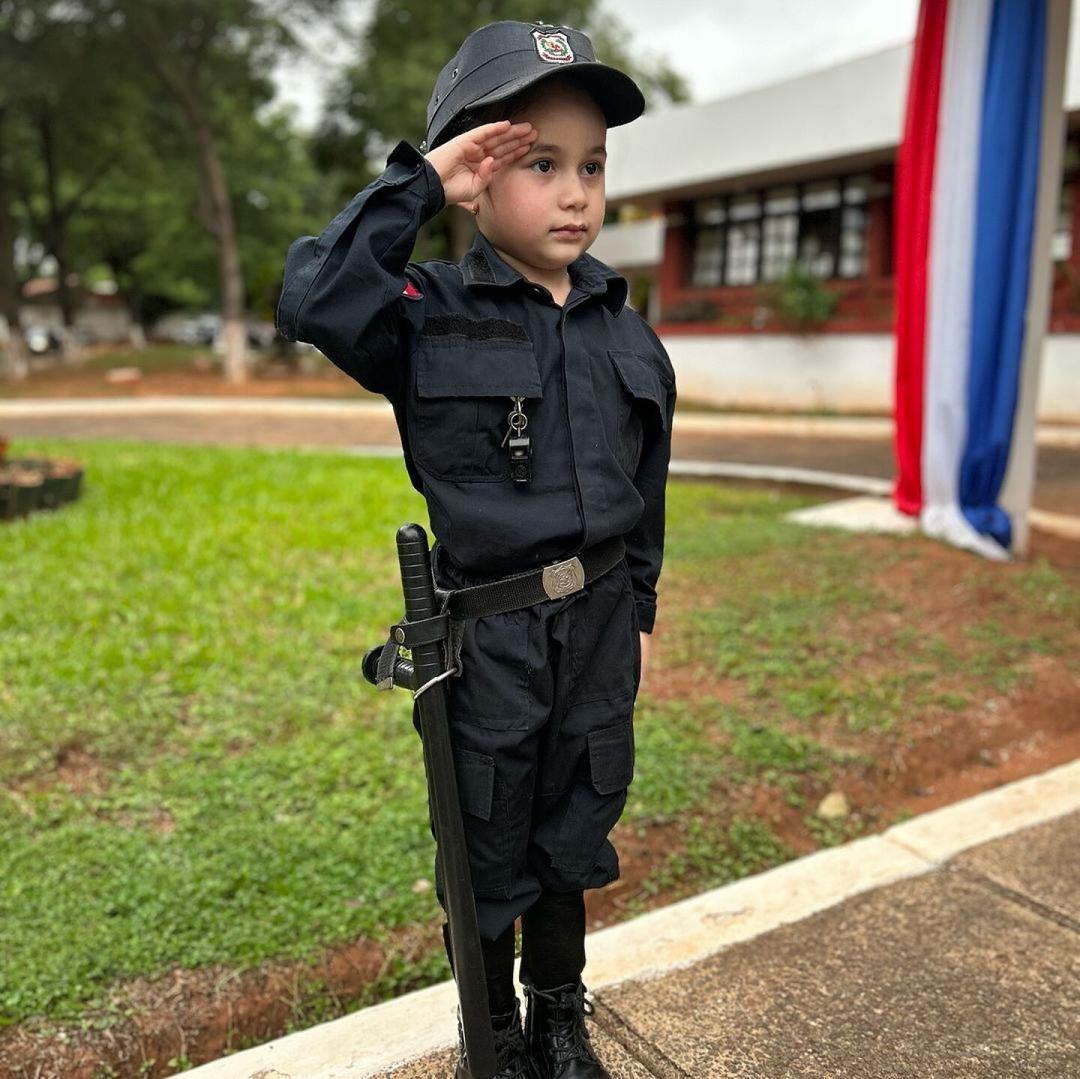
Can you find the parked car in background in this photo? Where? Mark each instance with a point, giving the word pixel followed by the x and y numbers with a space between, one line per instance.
pixel 184 328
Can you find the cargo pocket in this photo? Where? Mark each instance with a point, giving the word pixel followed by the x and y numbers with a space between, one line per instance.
pixel 484 819
pixel 602 636
pixel 642 402
pixel 462 389
pixel 596 803
pixel 611 757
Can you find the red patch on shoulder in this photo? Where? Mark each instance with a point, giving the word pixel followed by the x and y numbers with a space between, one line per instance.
pixel 412 291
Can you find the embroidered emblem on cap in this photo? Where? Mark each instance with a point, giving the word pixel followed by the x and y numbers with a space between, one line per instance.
pixel 553 47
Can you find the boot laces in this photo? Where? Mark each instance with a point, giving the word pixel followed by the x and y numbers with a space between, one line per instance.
pixel 511 1057
pixel 564 1023
pixel 510 1054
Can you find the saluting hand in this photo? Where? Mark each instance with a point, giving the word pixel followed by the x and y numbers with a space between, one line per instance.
pixel 465 164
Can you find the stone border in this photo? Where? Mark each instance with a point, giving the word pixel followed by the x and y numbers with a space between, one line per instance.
pixel 368 1042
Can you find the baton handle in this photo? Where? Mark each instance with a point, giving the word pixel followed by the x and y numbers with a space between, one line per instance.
pixel 403 669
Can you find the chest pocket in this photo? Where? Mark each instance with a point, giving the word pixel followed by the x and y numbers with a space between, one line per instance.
pixel 462 390
pixel 642 402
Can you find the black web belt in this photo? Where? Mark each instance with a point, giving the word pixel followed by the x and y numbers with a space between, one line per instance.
pixel 494 597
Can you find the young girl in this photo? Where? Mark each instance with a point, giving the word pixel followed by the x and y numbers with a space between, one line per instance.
pixel 535 413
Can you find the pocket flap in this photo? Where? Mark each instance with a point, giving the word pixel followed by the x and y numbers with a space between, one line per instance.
pixel 611 757
pixel 455 367
pixel 476 781
pixel 640 379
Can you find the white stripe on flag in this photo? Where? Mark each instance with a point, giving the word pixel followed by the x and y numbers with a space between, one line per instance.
pixel 951 272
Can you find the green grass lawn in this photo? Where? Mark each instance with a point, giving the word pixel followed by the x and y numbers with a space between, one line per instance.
pixel 183 643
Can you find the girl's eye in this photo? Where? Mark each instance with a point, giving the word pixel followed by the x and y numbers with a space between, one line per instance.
pixel 594 165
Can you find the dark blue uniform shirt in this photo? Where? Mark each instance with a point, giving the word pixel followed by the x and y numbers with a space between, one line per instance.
pixel 450 343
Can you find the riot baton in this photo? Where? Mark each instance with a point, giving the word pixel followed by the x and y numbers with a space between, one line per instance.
pixel 451 852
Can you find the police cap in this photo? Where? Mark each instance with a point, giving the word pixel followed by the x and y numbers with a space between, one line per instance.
pixel 502 58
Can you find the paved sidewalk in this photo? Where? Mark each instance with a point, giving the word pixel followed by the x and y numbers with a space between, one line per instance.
pixel 854 446
pixel 947 947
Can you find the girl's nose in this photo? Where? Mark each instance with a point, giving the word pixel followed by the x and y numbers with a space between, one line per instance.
pixel 575 194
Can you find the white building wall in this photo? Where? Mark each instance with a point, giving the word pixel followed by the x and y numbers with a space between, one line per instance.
pixel 631 245
pixel 845 372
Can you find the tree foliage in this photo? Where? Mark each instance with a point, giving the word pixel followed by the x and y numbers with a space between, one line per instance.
pixel 113 114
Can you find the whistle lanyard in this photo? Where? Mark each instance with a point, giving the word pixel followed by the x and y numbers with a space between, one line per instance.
pixel 520 449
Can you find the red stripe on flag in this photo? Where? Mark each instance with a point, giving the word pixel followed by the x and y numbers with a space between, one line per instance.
pixel 914 194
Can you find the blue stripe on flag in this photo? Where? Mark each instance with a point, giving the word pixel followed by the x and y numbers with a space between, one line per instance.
pixel 1008 175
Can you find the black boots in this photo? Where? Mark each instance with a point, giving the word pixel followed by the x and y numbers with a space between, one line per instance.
pixel 510 1053
pixel 556 1036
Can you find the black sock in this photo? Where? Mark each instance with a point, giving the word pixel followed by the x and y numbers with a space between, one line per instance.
pixel 553 940
pixel 498 968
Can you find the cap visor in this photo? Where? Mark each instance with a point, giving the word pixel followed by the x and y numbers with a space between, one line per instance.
pixel 617 94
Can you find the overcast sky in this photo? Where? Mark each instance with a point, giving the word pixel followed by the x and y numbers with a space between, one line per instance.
pixel 719 46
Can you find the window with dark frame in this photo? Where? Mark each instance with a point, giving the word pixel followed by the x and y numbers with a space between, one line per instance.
pixel 751 237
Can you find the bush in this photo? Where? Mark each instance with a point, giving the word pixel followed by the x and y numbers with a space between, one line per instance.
pixel 800 298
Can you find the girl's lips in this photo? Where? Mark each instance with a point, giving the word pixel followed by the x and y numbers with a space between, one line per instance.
pixel 568 234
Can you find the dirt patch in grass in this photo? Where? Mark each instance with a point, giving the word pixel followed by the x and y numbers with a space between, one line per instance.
pixel 936 756
pixel 155 1027
pixel 79 771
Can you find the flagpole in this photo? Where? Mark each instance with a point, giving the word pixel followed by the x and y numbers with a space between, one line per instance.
pixel 1019 483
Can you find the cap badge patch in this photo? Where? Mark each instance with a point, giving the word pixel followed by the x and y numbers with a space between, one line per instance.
pixel 553 47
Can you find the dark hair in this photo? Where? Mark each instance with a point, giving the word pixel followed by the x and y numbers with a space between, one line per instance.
pixel 508 107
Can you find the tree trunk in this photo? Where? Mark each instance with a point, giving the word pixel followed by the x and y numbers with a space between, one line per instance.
pixel 14 362
pixel 14 358
pixel 56 237
pixel 216 215
pixel 214 210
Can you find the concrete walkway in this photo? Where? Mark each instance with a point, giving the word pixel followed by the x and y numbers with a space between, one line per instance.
pixel 948 946
pixel 842 452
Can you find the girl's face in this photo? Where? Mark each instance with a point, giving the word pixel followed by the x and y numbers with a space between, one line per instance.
pixel 558 183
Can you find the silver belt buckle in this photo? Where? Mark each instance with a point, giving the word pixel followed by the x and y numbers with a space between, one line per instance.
pixel 562 578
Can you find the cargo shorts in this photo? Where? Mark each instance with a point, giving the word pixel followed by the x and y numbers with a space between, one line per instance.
pixel 541 721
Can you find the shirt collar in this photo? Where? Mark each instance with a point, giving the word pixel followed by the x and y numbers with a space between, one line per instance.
pixel 482 265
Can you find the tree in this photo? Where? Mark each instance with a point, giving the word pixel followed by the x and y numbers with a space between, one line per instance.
pixel 138 221
pixel 13 353
pixel 210 57
pixel 63 129
pixel 75 128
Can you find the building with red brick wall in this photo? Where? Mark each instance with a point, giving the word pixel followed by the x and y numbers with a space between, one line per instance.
pixel 709 204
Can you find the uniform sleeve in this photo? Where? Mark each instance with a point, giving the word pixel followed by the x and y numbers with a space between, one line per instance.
pixel 343 290
pixel 645 541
